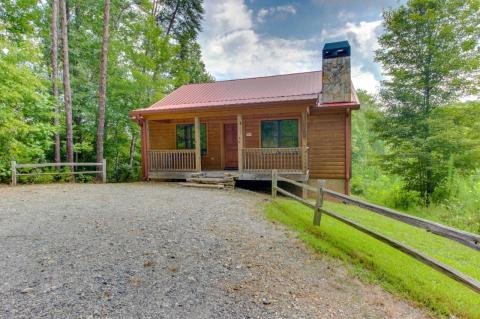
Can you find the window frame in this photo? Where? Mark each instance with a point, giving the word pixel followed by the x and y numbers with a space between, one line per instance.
pixel 279 135
pixel 203 151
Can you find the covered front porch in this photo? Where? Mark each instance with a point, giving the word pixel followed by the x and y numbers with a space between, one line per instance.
pixel 216 145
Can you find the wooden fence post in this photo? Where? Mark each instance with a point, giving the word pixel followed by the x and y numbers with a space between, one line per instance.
pixel 274 183
pixel 319 203
pixel 305 190
pixel 104 170
pixel 14 173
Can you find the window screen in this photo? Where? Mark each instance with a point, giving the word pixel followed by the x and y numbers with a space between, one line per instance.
pixel 279 133
pixel 186 137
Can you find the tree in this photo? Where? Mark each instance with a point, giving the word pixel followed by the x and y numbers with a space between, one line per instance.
pixel 181 20
pixel 460 146
pixel 189 67
pixel 67 91
pixel 103 83
pixel 26 115
pixel 54 51
pixel 430 55
pixel 139 49
pixel 181 16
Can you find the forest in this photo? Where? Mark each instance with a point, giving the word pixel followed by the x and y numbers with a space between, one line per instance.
pixel 151 48
pixel 72 70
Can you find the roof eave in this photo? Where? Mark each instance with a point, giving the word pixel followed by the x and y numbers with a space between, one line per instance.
pixel 148 111
pixel 339 105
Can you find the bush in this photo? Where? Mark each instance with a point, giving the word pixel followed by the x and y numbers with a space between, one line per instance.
pixel 127 173
pixel 386 190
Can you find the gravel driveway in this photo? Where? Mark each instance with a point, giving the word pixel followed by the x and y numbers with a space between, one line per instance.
pixel 151 250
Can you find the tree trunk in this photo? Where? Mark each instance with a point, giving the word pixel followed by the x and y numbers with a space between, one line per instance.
pixel 67 91
pixel 56 121
pixel 102 89
pixel 172 19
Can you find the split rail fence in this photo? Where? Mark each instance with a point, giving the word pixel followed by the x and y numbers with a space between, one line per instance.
pixel 465 238
pixel 15 167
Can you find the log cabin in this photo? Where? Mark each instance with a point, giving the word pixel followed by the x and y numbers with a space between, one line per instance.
pixel 298 124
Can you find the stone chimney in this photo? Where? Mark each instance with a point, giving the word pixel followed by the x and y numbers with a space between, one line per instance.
pixel 336 79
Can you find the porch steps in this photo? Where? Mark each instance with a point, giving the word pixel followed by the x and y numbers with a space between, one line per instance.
pixel 188 184
pixel 209 180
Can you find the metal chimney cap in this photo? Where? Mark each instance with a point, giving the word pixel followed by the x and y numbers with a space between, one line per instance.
pixel 336 49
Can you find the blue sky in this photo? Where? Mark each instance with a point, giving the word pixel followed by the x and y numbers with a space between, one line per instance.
pixel 244 38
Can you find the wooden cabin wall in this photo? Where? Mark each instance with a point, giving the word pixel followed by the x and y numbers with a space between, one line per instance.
pixel 326 141
pixel 162 136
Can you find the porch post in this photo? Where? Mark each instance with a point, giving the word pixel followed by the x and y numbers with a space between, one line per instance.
pixel 145 135
pixel 304 143
pixel 240 141
pixel 304 151
pixel 198 146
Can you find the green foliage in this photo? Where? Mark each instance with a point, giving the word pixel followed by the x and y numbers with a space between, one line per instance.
pixel 181 17
pixel 376 262
pixel 144 64
pixel 25 109
pixel 430 54
pixel 455 137
pixel 455 144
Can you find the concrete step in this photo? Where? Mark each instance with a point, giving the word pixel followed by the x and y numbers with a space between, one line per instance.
pixel 211 180
pixel 218 186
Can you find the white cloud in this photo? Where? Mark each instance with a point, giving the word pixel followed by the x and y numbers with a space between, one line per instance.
pixel 232 48
pixel 345 15
pixel 363 38
pixel 362 35
pixel 365 80
pixel 280 12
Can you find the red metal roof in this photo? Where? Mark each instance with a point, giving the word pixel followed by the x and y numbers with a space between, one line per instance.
pixel 278 88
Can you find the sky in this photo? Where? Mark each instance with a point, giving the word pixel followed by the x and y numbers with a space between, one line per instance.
pixel 247 38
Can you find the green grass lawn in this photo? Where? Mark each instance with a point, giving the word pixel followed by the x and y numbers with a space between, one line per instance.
pixel 458 217
pixel 377 262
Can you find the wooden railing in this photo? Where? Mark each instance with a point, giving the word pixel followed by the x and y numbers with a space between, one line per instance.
pixel 171 160
pixel 285 160
pixel 460 236
pixel 33 169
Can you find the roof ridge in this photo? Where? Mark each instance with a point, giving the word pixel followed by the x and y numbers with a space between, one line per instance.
pixel 255 77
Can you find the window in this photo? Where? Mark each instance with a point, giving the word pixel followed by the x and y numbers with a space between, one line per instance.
pixel 186 137
pixel 280 133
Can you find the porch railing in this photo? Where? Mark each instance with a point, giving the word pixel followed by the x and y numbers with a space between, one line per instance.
pixel 171 160
pixel 286 160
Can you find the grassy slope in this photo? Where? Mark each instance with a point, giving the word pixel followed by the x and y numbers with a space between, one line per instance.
pixel 458 217
pixel 379 263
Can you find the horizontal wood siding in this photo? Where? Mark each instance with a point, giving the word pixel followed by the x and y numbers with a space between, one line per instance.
pixel 161 135
pixel 326 141
pixel 251 132
pixel 326 137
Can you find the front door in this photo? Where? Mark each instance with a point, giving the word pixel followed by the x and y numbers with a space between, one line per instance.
pixel 230 145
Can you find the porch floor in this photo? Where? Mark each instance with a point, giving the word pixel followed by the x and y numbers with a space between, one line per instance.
pixel 245 175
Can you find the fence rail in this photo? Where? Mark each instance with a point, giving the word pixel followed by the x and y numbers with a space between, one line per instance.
pixel 318 208
pixel 288 160
pixel 15 167
pixel 171 160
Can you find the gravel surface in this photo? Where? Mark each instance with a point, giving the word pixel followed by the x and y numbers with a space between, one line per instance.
pixel 152 250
